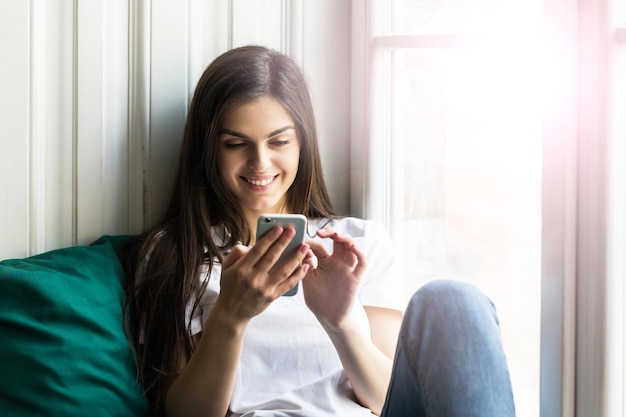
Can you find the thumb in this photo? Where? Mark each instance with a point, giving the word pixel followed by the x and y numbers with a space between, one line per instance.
pixel 237 252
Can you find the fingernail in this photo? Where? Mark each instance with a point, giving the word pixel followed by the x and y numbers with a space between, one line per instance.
pixel 305 248
pixel 305 268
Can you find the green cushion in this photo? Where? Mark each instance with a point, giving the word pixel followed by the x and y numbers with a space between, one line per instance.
pixel 63 350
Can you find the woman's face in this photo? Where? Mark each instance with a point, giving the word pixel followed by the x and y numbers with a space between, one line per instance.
pixel 259 154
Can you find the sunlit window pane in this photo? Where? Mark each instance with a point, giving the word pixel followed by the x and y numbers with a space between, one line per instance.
pixel 465 148
pixel 456 153
pixel 463 16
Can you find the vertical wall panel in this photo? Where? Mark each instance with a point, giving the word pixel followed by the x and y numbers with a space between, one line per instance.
pixel 89 135
pixel 14 85
pixel 293 29
pixel 101 146
pixel 38 127
pixel 326 60
pixel 169 97
pixel 37 145
pixel 115 116
pixel 57 100
pixel 89 119
pixel 139 24
pixel 210 29
pixel 259 22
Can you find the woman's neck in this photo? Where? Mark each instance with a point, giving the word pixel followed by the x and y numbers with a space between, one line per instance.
pixel 252 222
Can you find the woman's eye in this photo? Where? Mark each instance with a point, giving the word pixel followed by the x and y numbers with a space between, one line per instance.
pixel 279 143
pixel 234 145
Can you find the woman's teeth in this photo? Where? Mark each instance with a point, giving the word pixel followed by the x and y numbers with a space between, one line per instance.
pixel 260 183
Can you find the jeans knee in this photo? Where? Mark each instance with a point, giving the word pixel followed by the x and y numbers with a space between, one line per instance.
pixel 450 341
pixel 451 300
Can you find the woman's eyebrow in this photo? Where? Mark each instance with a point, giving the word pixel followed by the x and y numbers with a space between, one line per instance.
pixel 279 131
pixel 242 136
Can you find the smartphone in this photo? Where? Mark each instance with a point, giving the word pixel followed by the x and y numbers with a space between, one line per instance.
pixel 298 222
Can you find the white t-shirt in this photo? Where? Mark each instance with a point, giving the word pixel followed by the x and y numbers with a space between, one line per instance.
pixel 288 365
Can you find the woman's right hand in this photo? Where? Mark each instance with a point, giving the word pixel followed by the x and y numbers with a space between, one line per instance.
pixel 247 287
pixel 205 383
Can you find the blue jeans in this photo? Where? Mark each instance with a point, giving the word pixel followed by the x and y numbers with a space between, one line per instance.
pixel 449 361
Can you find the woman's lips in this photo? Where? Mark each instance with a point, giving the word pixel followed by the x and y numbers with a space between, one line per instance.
pixel 259 181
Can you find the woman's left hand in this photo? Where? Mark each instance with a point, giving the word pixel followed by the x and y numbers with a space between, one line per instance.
pixel 330 289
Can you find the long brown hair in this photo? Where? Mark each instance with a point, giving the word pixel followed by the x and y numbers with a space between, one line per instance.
pixel 163 265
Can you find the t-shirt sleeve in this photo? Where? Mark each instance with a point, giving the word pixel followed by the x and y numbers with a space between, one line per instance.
pixel 382 284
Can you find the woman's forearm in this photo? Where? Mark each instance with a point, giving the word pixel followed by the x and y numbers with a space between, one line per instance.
pixel 205 384
pixel 367 368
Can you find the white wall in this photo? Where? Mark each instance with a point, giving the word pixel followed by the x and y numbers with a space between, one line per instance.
pixel 94 96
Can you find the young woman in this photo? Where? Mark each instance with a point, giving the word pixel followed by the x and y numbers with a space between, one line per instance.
pixel 213 332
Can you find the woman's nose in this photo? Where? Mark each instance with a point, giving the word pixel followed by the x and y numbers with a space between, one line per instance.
pixel 260 160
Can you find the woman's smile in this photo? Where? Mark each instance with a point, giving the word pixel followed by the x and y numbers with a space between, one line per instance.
pixel 260 183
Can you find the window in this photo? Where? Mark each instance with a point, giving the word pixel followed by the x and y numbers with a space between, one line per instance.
pixel 494 152
pixel 455 155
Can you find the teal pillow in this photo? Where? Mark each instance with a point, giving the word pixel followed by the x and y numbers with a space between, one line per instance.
pixel 63 350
